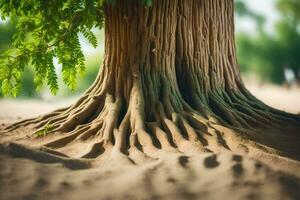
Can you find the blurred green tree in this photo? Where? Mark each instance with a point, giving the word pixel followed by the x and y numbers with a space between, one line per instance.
pixel 267 55
pixel 289 34
pixel 7 30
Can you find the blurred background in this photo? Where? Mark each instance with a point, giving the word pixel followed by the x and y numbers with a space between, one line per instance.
pixel 268 47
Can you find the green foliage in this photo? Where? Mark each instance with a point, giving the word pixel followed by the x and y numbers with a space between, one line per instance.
pixel 6 32
pixel 28 87
pixel 44 131
pixel 268 55
pixel 262 55
pixel 242 10
pixel 48 29
pixel 289 8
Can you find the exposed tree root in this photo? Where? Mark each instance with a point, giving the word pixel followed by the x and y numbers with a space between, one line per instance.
pixel 121 130
pixel 164 92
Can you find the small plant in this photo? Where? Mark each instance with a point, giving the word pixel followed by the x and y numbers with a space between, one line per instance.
pixel 44 131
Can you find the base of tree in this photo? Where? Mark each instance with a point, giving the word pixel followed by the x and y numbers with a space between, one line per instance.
pixel 167 85
pixel 100 127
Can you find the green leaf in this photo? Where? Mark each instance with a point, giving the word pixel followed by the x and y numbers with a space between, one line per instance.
pixel 6 87
pixel 88 34
pixel 52 77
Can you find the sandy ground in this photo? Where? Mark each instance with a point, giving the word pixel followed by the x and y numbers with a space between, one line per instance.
pixel 31 174
pixel 282 98
pixel 206 176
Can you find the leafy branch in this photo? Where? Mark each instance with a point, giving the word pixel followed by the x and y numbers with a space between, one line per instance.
pixel 48 30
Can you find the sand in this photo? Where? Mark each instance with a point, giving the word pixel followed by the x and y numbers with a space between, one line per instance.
pixel 30 173
pixel 176 176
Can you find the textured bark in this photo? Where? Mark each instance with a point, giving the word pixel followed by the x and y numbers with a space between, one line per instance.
pixel 169 82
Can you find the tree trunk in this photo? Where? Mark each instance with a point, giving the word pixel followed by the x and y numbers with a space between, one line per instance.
pixel 169 82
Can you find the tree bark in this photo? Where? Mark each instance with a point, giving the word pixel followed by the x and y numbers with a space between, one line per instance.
pixel 169 82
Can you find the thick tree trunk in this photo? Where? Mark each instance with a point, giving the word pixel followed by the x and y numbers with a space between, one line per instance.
pixel 169 82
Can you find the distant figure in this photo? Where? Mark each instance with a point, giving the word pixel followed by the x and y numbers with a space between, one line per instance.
pixel 289 76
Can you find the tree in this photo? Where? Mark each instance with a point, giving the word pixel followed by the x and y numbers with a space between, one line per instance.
pixel 289 34
pixel 6 31
pixel 169 78
pixel 267 54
